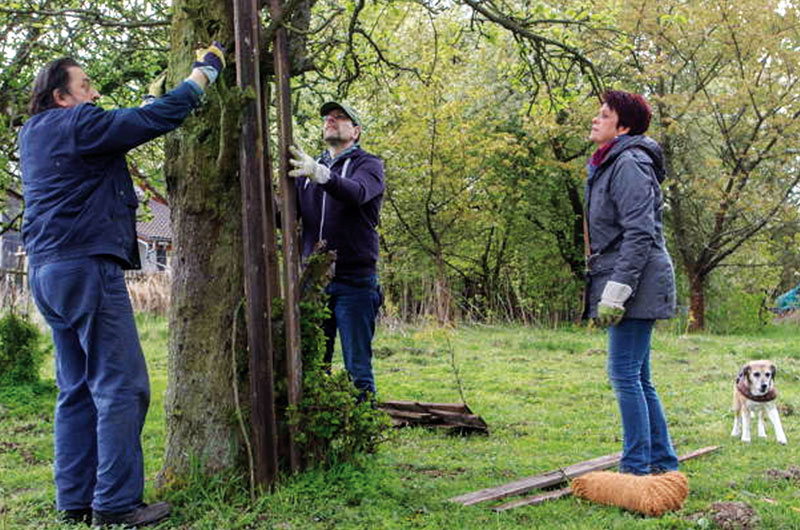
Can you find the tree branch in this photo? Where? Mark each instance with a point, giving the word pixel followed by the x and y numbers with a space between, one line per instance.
pixel 92 16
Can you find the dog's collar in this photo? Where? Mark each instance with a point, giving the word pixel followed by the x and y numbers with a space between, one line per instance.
pixel 744 389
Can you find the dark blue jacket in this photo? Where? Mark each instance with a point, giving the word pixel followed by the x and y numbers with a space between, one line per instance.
pixel 344 211
pixel 624 208
pixel 79 198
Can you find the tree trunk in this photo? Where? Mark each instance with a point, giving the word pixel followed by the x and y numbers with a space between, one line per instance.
pixel 697 306
pixel 203 186
pixel 442 292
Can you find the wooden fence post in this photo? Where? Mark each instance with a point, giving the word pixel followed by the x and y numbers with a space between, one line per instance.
pixel 291 256
pixel 259 307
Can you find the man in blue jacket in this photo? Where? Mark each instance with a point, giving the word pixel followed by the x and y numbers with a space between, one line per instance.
pixel 339 198
pixel 79 231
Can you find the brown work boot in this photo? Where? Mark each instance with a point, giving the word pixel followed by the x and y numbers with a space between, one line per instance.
pixel 144 515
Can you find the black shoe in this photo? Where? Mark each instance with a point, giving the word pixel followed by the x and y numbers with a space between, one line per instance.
pixel 80 516
pixel 144 515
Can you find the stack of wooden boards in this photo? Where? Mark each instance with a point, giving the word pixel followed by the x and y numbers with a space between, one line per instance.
pixel 455 416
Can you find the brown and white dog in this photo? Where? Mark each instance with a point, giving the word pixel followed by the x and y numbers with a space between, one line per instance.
pixel 754 392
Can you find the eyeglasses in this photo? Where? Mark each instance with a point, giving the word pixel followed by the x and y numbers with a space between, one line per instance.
pixel 336 117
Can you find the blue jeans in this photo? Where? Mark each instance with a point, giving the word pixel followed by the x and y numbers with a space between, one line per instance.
pixel 103 388
pixel 354 304
pixel 646 443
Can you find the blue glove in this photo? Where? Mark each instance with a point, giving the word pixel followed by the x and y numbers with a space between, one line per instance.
pixel 210 61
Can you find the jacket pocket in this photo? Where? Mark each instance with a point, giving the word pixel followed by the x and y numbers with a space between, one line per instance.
pixel 602 264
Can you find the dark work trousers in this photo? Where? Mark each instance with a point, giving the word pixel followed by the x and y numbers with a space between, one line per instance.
pixel 354 304
pixel 103 388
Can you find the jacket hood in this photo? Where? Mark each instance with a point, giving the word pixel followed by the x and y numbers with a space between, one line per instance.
pixel 645 144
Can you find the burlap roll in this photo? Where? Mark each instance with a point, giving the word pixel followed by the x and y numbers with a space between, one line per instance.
pixel 650 494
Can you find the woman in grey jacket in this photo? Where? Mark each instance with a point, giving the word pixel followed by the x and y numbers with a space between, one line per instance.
pixel 630 280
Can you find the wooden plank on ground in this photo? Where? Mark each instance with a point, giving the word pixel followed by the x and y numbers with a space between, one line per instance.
pixel 438 415
pixel 418 406
pixel 533 500
pixel 551 478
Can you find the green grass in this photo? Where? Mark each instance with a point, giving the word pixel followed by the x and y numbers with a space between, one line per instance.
pixel 548 403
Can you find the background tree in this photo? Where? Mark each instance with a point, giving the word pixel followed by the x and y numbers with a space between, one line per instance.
pixel 724 82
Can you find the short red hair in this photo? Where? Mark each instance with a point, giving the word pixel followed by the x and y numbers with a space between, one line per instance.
pixel 632 109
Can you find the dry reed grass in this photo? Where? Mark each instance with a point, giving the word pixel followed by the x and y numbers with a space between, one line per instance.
pixel 149 292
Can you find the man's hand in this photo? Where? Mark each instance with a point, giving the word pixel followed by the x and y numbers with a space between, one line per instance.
pixel 155 90
pixel 305 166
pixel 210 61
pixel 611 308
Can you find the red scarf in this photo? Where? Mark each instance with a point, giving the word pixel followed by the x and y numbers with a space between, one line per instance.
pixel 601 152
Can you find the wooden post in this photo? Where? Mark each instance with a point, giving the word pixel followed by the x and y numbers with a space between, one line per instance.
pixel 259 309
pixel 273 282
pixel 291 256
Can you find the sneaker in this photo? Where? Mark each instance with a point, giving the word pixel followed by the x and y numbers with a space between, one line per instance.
pixel 144 515
pixel 79 516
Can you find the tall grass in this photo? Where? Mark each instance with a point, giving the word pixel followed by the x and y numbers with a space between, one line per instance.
pixel 149 292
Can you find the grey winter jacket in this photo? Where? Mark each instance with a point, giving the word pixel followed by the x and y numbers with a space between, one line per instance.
pixel 624 208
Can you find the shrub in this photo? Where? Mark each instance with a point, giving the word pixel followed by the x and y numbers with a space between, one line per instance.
pixel 21 353
pixel 332 425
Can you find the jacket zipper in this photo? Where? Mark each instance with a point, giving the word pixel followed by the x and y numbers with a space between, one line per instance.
pixel 324 195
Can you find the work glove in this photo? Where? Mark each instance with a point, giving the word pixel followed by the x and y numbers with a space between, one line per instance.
pixel 156 89
pixel 210 61
pixel 611 308
pixel 305 166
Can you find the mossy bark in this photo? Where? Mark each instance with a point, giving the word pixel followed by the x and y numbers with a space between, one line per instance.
pixel 203 187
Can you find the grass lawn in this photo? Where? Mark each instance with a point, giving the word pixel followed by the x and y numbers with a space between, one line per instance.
pixel 548 403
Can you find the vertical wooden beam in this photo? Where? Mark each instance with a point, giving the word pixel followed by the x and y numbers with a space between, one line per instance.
pixel 291 255
pixel 259 309
pixel 273 282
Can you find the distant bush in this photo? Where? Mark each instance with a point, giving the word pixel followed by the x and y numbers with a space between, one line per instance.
pixel 21 351
pixel 732 310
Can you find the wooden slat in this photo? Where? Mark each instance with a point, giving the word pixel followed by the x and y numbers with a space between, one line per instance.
pixel 423 407
pixel 565 492
pixel 534 499
pixel 291 250
pixel 259 299
pixel 543 480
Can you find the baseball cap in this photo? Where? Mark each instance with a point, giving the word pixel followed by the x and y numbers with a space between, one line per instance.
pixel 344 107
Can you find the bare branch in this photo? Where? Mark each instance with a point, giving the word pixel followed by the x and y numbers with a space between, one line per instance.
pixel 94 17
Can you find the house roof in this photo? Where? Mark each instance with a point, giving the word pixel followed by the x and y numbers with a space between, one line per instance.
pixel 158 225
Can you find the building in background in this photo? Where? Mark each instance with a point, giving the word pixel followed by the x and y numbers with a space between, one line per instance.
pixel 153 230
pixel 11 257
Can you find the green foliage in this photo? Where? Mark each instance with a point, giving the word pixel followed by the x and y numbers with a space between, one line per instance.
pixel 735 310
pixel 332 425
pixel 21 353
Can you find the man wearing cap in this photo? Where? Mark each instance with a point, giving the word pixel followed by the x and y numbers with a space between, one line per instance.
pixel 339 198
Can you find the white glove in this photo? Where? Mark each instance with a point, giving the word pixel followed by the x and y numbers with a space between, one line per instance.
pixel 611 308
pixel 615 294
pixel 307 166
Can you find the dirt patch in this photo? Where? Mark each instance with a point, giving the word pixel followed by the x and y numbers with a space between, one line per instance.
pixel 786 409
pixel 793 474
pixel 383 352
pixel 26 454
pixel 595 351
pixel 730 516
pixel 433 472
